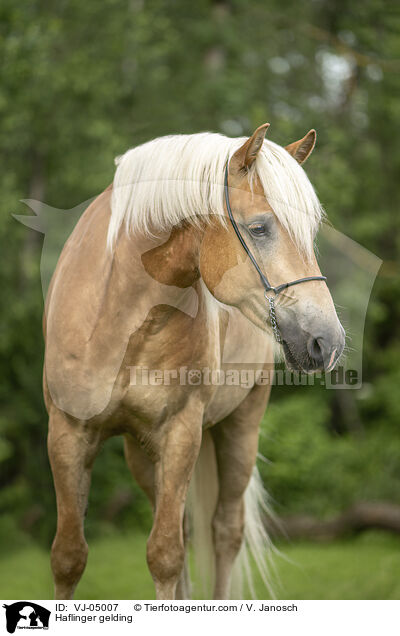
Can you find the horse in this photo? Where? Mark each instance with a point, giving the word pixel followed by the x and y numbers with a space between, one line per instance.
pixel 154 282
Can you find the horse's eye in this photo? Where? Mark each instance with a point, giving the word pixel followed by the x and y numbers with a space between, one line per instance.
pixel 257 229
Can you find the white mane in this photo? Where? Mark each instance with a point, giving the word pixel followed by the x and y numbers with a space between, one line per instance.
pixel 164 181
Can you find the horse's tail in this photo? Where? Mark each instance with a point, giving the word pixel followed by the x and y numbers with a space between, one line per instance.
pixel 256 550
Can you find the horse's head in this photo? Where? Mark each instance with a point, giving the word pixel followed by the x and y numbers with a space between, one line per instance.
pixel 277 214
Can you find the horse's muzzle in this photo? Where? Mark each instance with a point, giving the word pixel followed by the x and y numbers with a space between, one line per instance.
pixel 310 353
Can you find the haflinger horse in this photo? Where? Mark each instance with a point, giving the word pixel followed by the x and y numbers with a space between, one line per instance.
pixel 168 270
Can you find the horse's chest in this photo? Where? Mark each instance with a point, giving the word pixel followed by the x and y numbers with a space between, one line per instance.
pixel 218 361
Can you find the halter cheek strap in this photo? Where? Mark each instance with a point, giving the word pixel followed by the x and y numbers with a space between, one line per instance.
pixel 267 286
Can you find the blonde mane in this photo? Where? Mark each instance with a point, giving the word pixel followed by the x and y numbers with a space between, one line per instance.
pixel 161 183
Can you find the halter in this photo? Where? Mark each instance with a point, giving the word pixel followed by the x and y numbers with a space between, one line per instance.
pixel 267 286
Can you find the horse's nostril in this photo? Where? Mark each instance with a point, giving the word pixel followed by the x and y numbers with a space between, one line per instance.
pixel 315 350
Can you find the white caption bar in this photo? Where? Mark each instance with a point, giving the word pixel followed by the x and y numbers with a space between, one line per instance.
pixel 235 617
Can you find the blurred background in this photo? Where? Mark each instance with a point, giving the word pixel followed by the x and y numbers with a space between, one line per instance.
pixel 82 82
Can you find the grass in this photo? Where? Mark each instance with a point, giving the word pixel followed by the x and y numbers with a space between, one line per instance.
pixel 366 567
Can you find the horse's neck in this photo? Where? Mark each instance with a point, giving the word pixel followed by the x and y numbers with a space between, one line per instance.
pixel 173 259
pixel 108 297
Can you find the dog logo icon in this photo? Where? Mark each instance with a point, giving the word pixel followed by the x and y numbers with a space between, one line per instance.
pixel 26 615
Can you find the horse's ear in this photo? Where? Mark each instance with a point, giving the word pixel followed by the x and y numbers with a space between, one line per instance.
pixel 303 148
pixel 246 155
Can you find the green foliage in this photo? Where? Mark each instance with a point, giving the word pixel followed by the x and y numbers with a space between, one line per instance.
pixel 312 470
pixel 82 82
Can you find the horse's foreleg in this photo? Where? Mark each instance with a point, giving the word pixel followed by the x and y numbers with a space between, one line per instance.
pixel 178 450
pixel 71 451
pixel 141 467
pixel 236 442
pixel 143 471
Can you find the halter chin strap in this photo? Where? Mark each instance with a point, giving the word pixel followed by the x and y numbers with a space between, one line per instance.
pixel 267 286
